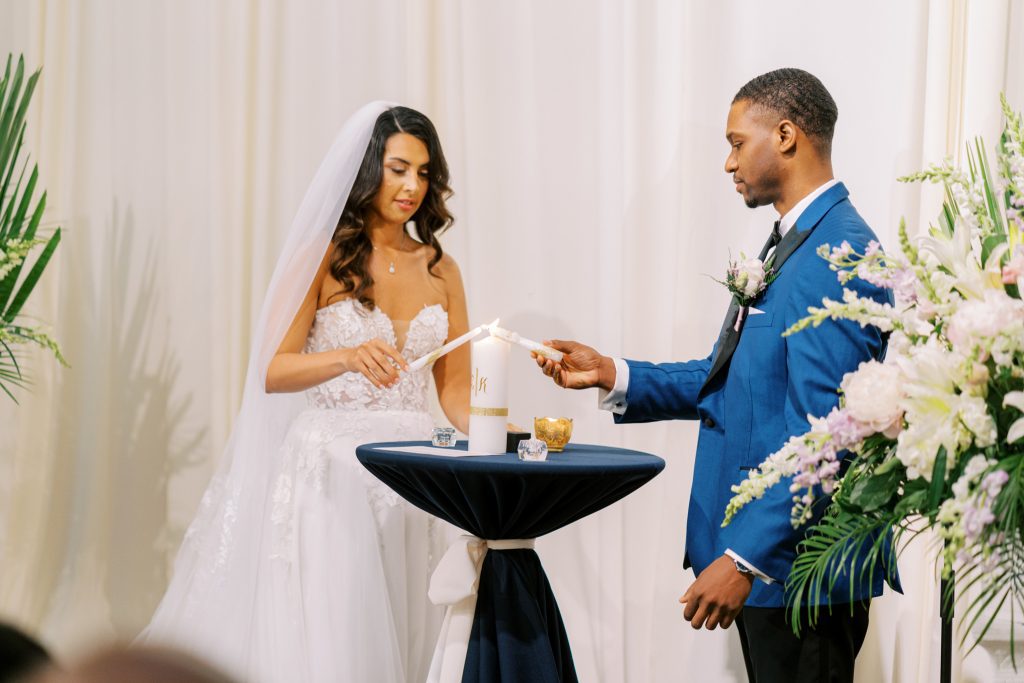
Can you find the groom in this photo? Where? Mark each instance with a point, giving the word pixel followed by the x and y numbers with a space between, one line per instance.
pixel 756 389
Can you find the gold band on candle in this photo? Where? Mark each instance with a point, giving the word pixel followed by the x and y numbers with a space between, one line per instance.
pixel 488 412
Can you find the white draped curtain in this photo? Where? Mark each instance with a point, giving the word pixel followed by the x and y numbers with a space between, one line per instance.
pixel 586 141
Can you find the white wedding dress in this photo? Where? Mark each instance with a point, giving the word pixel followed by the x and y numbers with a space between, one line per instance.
pixel 343 563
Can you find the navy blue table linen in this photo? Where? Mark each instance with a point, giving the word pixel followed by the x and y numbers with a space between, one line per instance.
pixel 518 634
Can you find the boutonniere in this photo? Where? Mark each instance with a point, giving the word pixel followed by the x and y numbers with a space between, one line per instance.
pixel 747 279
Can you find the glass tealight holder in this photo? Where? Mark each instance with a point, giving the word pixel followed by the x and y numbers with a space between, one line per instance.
pixel 443 437
pixel 533 449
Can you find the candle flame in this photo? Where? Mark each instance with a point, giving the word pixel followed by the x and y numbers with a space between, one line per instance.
pixel 491 325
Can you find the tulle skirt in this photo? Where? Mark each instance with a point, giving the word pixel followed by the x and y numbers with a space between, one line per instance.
pixel 326 580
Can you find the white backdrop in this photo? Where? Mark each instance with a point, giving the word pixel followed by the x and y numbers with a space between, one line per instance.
pixel 586 146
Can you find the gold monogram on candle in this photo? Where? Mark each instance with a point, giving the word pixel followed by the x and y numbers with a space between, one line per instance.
pixel 479 383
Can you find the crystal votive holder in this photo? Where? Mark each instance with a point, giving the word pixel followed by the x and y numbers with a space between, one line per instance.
pixel 533 449
pixel 443 437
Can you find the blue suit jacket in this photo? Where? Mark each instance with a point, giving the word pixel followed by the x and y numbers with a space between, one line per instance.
pixel 761 397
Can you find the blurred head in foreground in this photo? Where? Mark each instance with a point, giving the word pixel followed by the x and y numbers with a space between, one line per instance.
pixel 137 665
pixel 20 655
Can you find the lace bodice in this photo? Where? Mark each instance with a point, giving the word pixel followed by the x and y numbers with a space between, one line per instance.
pixel 348 323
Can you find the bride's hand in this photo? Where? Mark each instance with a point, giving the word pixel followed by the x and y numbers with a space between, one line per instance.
pixel 582 367
pixel 377 360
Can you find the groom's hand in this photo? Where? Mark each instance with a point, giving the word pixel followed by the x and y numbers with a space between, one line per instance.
pixel 581 368
pixel 717 596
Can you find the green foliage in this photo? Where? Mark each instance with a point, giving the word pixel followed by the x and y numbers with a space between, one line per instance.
pixel 842 545
pixel 872 493
pixel 20 216
pixel 936 490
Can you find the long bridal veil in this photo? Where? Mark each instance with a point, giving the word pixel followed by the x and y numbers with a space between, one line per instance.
pixel 211 604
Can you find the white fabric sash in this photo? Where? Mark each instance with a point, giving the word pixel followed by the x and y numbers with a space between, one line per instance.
pixel 455 583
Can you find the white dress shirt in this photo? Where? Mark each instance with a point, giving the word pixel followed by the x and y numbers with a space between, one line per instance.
pixel 615 400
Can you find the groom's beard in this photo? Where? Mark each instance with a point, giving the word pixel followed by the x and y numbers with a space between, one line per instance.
pixel 767 192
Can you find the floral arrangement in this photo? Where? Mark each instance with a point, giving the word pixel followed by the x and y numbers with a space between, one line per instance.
pixel 746 279
pixel 19 228
pixel 933 435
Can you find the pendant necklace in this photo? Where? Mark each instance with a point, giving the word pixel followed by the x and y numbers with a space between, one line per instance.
pixel 391 264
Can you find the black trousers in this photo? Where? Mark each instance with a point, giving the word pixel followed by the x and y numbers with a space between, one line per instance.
pixel 824 654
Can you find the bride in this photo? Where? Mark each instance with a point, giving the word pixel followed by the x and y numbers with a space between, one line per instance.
pixel 300 566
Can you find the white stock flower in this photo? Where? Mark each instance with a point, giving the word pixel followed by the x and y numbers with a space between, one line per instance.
pixel 899 344
pixel 973 413
pixel 873 396
pixel 978 322
pixel 976 466
pixel 782 463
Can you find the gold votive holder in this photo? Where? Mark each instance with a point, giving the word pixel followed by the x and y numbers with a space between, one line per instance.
pixel 554 431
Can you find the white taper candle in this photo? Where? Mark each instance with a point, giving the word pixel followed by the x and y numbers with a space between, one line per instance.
pixel 423 361
pixel 528 344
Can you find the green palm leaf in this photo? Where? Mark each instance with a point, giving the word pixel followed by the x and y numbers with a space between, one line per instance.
pixel 14 230
pixel 10 311
pixel 32 278
pixel 10 372
pixel 14 110
pixel 20 218
pixel 6 216
pixel 6 175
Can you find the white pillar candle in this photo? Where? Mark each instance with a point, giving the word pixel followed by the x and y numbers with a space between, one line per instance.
pixel 488 396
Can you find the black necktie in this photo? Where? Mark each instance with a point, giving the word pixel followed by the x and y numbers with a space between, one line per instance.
pixel 729 336
pixel 773 240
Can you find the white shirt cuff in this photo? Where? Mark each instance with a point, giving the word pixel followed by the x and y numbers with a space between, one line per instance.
pixel 615 400
pixel 758 573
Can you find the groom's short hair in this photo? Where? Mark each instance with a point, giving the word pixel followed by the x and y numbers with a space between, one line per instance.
pixel 798 96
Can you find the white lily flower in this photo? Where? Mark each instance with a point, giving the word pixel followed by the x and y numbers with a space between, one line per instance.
pixel 1015 399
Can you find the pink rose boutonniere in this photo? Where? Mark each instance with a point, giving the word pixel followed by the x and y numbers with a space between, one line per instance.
pixel 747 279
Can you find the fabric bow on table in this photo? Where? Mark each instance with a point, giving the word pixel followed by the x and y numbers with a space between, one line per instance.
pixel 457 575
pixel 455 582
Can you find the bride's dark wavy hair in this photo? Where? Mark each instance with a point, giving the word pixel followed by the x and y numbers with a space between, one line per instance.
pixel 352 246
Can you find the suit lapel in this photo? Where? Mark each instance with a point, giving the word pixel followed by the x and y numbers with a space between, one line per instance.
pixel 787 245
pixel 728 338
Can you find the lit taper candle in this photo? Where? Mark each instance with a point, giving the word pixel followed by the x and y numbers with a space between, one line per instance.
pixel 529 345
pixel 426 360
